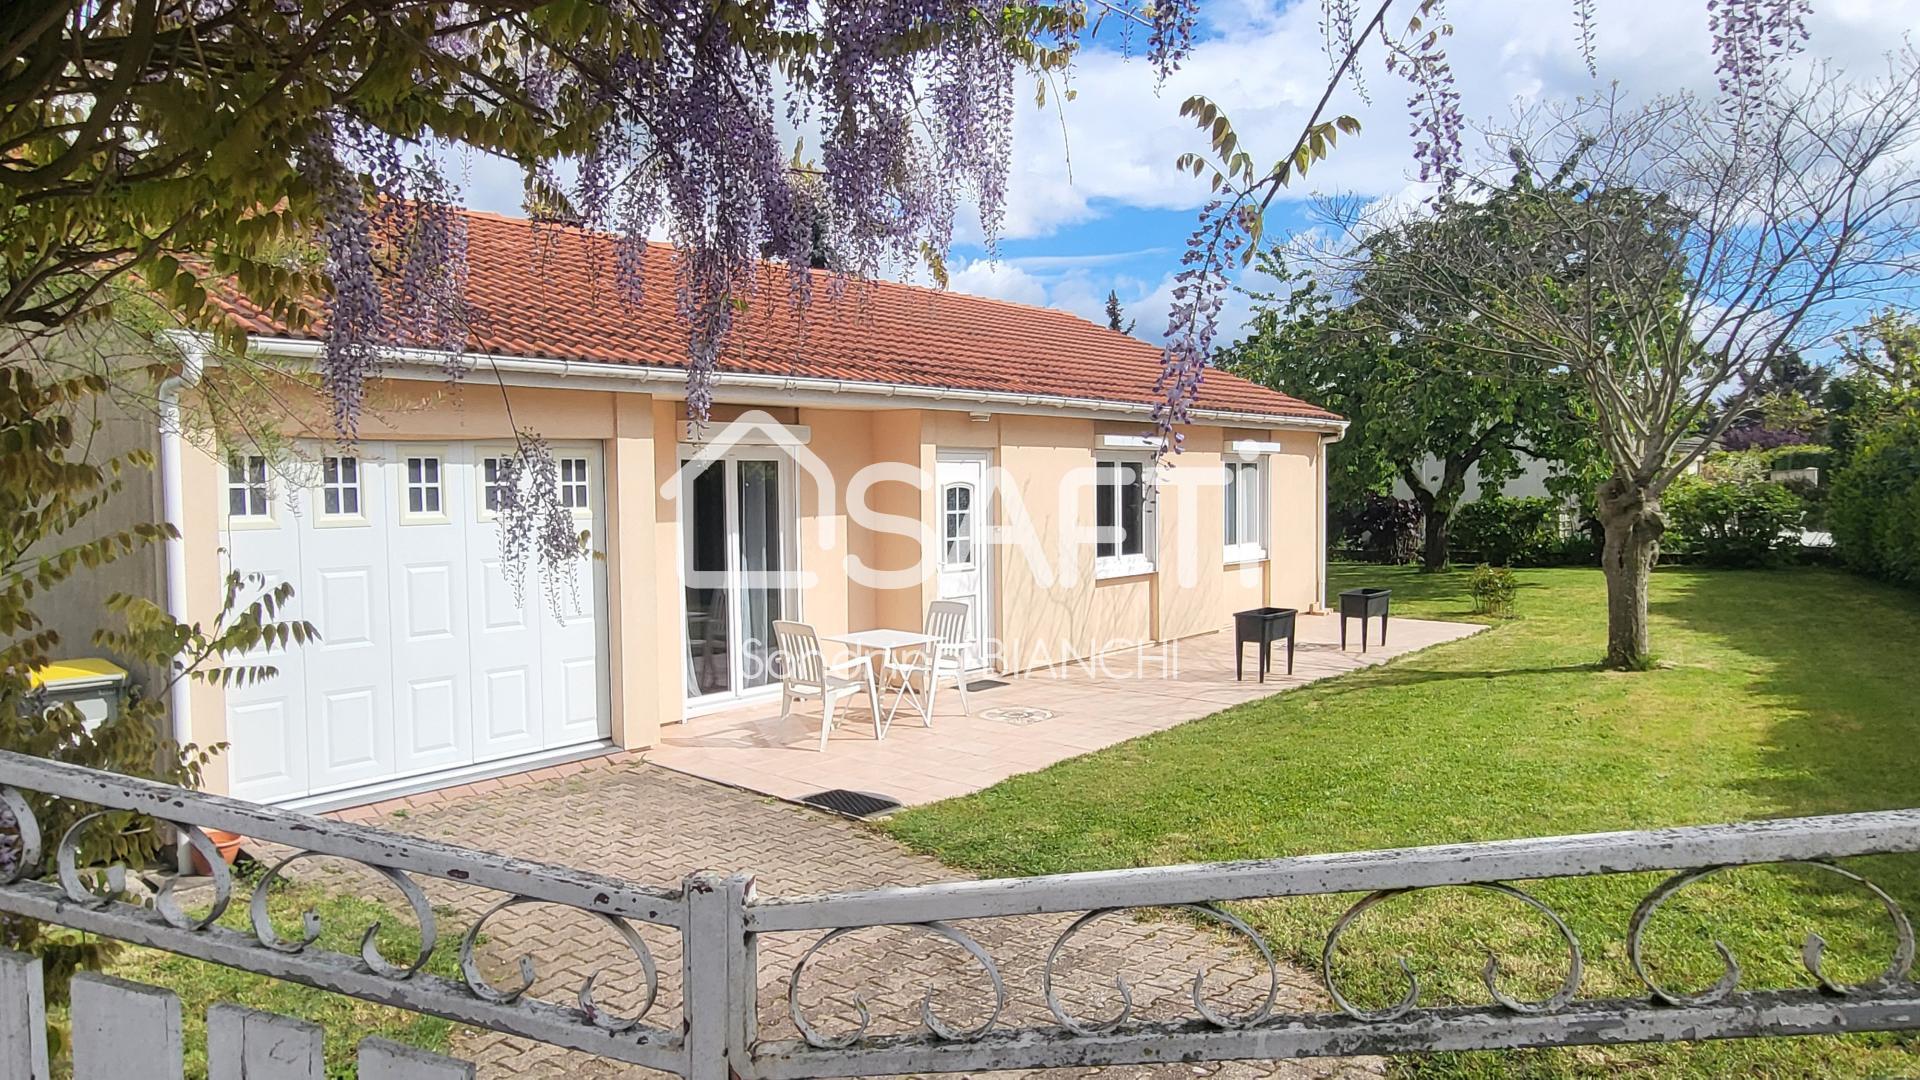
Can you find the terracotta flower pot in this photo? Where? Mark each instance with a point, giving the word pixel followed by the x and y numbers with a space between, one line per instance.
pixel 228 844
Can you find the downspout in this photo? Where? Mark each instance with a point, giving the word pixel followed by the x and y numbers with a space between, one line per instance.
pixel 173 551
pixel 1326 441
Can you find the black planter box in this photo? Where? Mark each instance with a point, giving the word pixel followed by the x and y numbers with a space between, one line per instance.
pixel 1263 627
pixel 1364 604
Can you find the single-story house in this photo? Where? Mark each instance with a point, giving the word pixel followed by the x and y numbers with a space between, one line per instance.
pixel 893 446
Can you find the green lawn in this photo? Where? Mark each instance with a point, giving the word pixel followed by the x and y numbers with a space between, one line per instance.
pixel 346 1020
pixel 1779 693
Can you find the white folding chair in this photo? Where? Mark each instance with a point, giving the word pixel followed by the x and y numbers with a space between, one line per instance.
pixel 805 673
pixel 945 658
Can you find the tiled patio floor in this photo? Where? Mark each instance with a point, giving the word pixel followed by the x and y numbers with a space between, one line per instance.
pixel 1088 706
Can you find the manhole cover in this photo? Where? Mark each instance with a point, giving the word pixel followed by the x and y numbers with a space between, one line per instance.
pixel 855 804
pixel 1016 714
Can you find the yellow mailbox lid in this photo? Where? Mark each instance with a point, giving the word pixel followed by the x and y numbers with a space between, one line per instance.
pixel 76 674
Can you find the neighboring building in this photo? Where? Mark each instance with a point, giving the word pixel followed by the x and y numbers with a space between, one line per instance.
pixel 1530 483
pixel 978 413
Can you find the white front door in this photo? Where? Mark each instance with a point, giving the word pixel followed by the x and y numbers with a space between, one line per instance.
pixel 425 661
pixel 965 559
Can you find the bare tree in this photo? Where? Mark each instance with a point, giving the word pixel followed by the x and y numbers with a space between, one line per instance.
pixel 1664 255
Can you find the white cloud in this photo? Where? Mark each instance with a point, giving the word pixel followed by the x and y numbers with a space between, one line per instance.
pixel 1002 281
pixel 1122 136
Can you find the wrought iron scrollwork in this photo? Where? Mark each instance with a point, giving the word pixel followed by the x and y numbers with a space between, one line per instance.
pixel 26 837
pixel 940 1028
pixel 165 901
pixel 310 920
pixel 1489 974
pixel 1811 951
pixel 599 1017
pixel 1207 1012
pixel 168 905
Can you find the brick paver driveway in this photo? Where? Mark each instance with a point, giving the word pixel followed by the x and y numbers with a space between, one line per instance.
pixel 652 825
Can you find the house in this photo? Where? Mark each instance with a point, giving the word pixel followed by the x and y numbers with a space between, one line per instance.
pixel 894 446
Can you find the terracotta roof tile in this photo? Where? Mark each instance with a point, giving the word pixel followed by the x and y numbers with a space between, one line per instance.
pixel 548 292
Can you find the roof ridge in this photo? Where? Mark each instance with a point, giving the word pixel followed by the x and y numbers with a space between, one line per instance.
pixel 817 274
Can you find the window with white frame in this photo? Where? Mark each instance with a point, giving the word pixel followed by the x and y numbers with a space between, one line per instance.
pixel 247 486
pixel 1246 531
pixel 957 530
pixel 1124 516
pixel 573 483
pixel 493 483
pixel 340 486
pixel 423 484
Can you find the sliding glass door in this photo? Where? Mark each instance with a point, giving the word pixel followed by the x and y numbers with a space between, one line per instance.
pixel 739 528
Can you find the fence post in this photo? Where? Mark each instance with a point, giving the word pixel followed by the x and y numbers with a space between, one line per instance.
pixel 704 1007
pixel 743 978
pixel 23 1018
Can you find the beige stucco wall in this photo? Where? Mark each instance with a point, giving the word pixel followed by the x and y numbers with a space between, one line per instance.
pixel 1049 608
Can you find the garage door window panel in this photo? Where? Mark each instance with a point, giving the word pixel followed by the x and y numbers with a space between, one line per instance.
pixel 423 487
pixel 343 495
pixel 249 491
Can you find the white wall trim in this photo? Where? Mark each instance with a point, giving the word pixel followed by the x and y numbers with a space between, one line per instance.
pixel 748 389
pixel 694 436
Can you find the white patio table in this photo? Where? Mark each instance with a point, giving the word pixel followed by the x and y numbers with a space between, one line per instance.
pixel 884 643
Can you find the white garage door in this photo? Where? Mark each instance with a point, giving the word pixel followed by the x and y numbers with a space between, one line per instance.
pixel 425 662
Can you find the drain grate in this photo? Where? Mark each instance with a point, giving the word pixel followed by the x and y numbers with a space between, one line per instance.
pixel 978 685
pixel 1021 715
pixel 853 804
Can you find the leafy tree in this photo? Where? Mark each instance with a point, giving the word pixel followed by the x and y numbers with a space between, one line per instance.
pixel 1783 406
pixel 292 150
pixel 1665 255
pixel 1882 380
pixel 1409 398
pixel 1117 315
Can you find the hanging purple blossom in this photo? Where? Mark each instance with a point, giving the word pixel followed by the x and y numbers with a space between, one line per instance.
pixel 1750 38
pixel 1171 38
pixel 355 322
pixel 1199 292
pixel 1421 59
pixel 537 528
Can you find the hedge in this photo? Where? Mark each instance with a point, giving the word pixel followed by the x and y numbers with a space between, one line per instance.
pixel 1874 506
pixel 1735 523
pixel 1508 532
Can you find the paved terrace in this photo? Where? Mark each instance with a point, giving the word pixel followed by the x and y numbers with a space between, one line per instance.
pixel 1018 723
pixel 618 816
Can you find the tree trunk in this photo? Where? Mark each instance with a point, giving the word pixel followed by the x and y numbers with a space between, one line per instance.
pixel 1630 513
pixel 1439 520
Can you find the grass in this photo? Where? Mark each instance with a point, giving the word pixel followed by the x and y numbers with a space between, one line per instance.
pixel 343 918
pixel 1778 693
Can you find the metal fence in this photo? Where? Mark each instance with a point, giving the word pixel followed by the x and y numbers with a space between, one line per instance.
pixel 719 923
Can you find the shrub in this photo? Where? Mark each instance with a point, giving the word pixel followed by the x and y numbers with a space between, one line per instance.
pixel 1751 466
pixel 1738 523
pixel 1509 532
pixel 1493 589
pixel 1384 529
pixel 1874 506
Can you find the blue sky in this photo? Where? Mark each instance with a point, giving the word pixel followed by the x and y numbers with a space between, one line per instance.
pixel 1101 207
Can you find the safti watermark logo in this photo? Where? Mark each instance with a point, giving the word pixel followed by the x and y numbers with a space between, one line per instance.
pixel 1123 513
